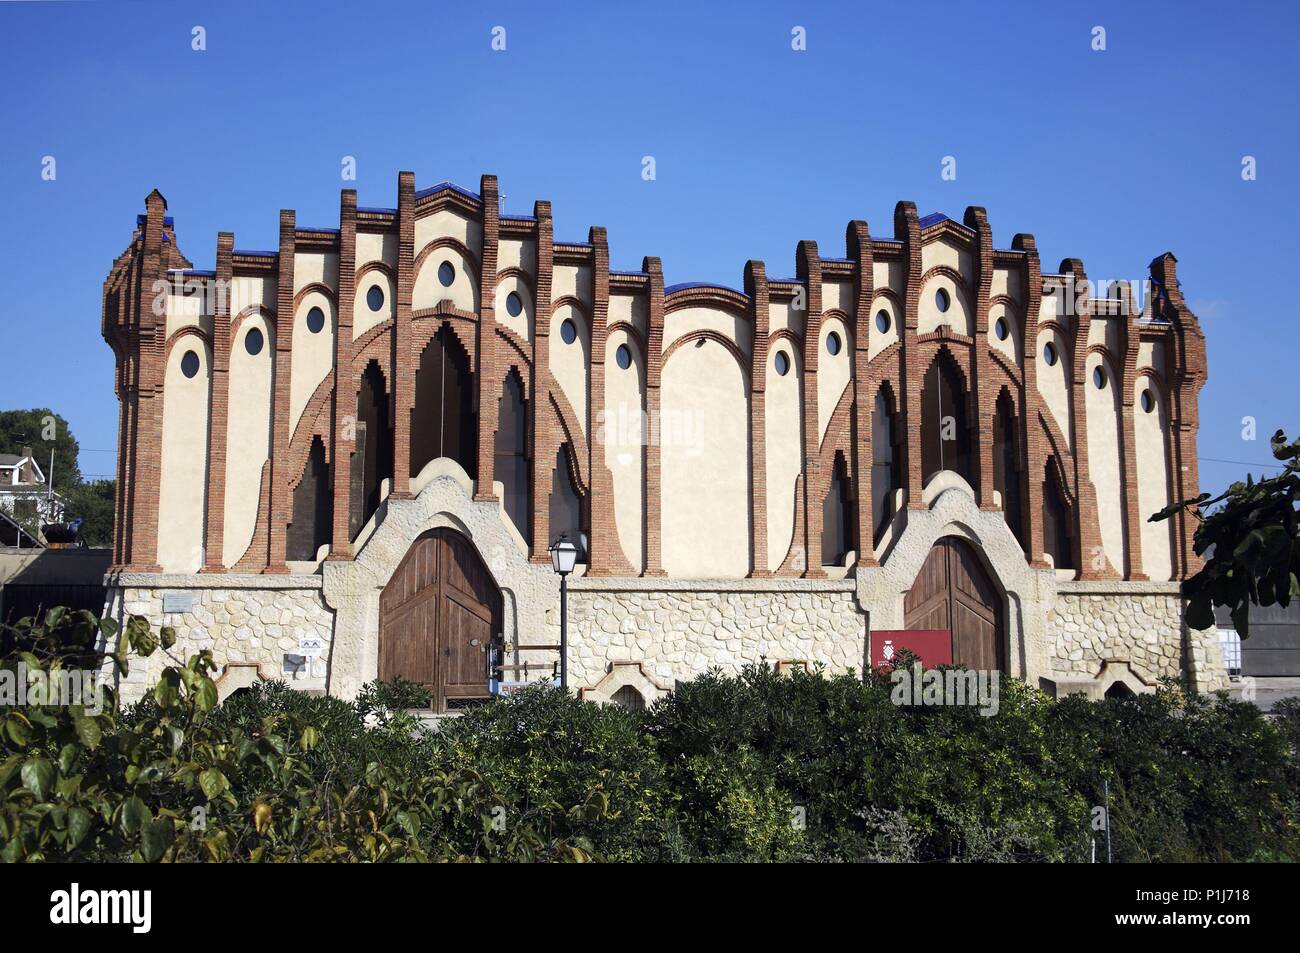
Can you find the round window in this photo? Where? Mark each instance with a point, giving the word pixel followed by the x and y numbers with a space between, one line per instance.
pixel 832 344
pixel 882 321
pixel 446 273
pixel 375 297
pixel 782 363
pixel 1099 378
pixel 1148 402
pixel 941 299
pixel 514 305
pixel 624 356
pixel 1000 329
pixel 315 320
pixel 1049 353
pixel 569 331
pixel 253 341
pixel 190 364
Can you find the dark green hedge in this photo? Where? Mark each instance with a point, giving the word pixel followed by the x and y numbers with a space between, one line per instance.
pixel 754 767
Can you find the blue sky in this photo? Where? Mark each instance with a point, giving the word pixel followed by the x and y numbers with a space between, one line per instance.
pixel 1112 157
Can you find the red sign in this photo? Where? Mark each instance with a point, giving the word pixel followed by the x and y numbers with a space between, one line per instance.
pixel 932 646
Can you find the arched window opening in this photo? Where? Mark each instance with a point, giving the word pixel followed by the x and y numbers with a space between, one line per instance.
pixel 566 505
pixel 629 698
pixel 313 508
pixel 945 430
pixel 511 450
pixel 886 471
pixel 444 421
pixel 837 515
pixel 372 460
pixel 1007 467
pixel 1057 530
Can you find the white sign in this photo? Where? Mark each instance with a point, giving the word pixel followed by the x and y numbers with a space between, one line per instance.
pixel 178 601
pixel 311 646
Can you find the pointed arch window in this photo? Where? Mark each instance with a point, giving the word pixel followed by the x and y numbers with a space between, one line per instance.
pixel 1057 530
pixel 886 469
pixel 1008 469
pixel 372 459
pixel 945 425
pixel 566 506
pixel 511 453
pixel 313 508
pixel 444 421
pixel 837 515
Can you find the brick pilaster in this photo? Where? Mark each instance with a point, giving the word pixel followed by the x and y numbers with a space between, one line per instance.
pixel 1190 373
pixel 654 360
pixel 756 290
pixel 280 510
pixel 402 380
pixel 345 391
pixel 857 240
pixel 907 229
pixel 809 267
pixel 607 556
pixel 1087 524
pixel 980 397
pixel 543 440
pixel 146 470
pixel 219 411
pixel 1128 435
pixel 488 373
pixel 1031 404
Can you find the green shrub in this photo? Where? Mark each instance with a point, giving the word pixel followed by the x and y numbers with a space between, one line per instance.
pixel 759 766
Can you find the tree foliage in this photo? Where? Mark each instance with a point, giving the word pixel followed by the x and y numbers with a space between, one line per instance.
pixel 1250 538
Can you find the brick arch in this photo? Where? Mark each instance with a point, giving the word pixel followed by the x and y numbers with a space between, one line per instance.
pixel 187 331
pixel 733 302
pixel 379 266
pixel 446 241
pixel 708 334
pixel 573 435
pixel 266 314
pixel 428 325
pixel 516 272
pixel 315 287
pixel 314 422
pixel 631 330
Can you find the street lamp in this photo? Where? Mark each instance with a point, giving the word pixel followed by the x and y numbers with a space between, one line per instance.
pixel 564 556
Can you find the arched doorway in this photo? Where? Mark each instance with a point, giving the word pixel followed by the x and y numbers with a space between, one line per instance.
pixel 953 591
pixel 439 617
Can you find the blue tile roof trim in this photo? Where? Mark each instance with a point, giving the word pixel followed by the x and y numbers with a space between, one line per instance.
pixel 317 228
pixel 934 218
pixel 448 185
pixel 519 218
pixel 683 286
pixel 373 209
pixel 198 272
pixel 254 253
pixel 631 274
pixel 168 221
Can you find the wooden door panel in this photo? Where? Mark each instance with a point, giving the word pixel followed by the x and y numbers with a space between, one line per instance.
pixel 952 591
pixel 438 616
pixel 974 640
pixel 465 649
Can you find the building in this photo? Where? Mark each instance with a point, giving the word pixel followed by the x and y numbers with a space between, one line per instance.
pixel 362 442
pixel 24 495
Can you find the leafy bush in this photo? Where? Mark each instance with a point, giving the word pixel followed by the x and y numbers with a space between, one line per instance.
pixel 759 766
pixel 177 778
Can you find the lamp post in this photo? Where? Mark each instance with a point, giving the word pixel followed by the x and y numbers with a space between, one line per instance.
pixel 564 556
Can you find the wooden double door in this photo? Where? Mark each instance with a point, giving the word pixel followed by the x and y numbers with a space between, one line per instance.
pixel 439 617
pixel 953 591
